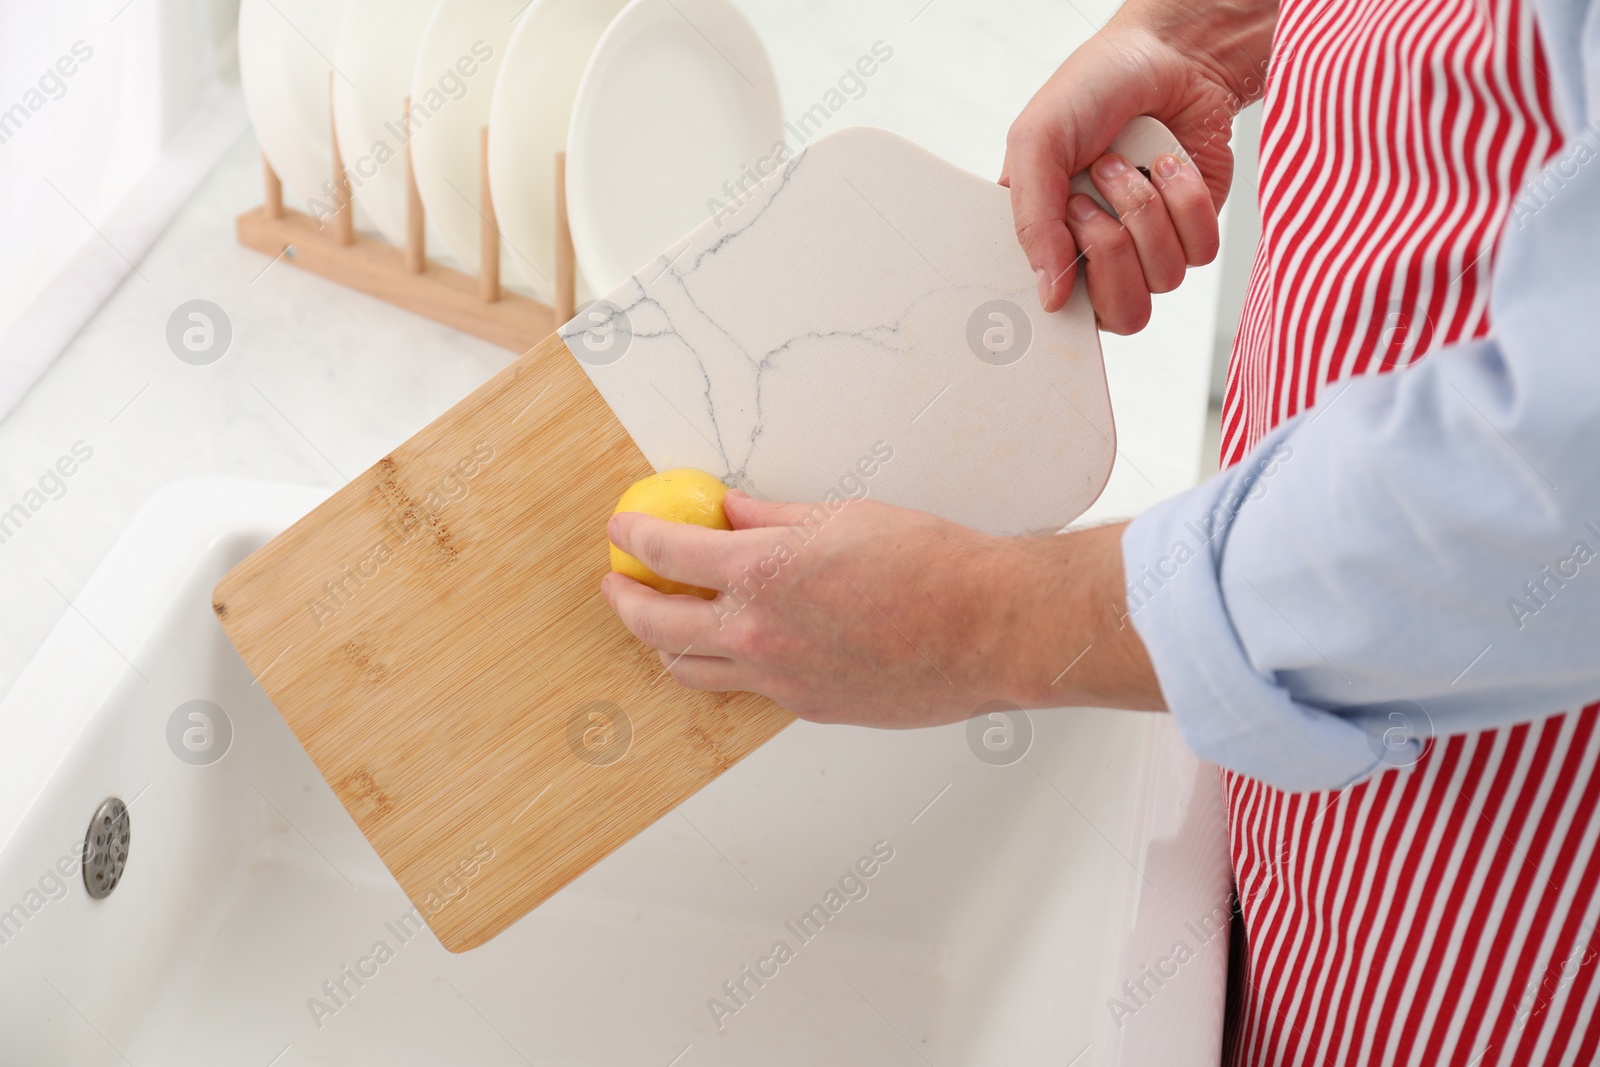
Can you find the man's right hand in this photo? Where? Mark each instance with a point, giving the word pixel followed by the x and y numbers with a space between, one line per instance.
pixel 1193 66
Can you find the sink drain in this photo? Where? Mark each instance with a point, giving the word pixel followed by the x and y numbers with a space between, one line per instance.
pixel 105 848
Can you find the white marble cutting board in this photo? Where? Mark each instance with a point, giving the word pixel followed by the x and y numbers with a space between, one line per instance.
pixel 868 299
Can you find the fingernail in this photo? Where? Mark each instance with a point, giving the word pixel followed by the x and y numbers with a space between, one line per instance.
pixel 1111 166
pixel 1082 208
pixel 611 529
pixel 1167 166
pixel 1044 288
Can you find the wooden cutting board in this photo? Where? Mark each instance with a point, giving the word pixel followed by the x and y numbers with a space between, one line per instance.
pixel 434 632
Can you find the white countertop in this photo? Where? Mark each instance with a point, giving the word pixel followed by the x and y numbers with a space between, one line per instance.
pixel 320 381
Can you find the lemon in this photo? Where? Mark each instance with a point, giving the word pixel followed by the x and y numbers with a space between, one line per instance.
pixel 682 495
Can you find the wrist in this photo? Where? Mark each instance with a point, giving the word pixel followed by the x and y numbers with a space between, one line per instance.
pixel 1230 39
pixel 1068 640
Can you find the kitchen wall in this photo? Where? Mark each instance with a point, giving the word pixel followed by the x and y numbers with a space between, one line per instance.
pixel 111 112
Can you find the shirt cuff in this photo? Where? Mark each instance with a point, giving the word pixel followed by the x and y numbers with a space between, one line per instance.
pixel 1228 712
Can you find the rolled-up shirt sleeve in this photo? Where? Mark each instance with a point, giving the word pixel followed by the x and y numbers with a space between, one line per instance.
pixel 1419 553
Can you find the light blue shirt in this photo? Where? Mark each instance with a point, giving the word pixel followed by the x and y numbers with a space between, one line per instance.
pixel 1419 553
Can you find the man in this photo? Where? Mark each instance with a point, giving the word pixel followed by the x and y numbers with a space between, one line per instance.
pixel 1393 593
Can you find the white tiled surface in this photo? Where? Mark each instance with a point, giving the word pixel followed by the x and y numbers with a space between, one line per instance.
pixel 320 381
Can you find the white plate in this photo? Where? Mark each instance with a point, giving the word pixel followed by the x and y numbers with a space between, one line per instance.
pixel 528 122
pixel 285 58
pixel 453 82
pixel 377 51
pixel 678 100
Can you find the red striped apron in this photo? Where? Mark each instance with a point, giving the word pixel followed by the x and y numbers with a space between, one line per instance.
pixel 1447 913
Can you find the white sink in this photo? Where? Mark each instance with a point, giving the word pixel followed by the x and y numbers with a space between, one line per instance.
pixel 1017 903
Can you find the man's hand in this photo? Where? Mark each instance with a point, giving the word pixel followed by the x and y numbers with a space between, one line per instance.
pixel 1193 66
pixel 871 614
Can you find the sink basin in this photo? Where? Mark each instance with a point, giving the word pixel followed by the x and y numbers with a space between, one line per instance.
pixel 1066 907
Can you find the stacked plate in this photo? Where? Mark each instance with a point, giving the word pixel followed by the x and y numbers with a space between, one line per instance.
pixel 660 105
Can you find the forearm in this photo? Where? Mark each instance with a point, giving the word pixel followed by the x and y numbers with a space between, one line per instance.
pixel 1061 607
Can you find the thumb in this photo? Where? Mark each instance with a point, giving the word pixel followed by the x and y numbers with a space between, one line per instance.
pixel 746 512
pixel 1039 191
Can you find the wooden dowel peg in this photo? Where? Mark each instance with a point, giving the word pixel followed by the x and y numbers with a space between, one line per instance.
pixel 474 303
pixel 566 259
pixel 272 190
pixel 488 232
pixel 416 221
pixel 344 219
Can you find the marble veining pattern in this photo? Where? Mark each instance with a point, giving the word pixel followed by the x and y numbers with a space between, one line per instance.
pixel 828 313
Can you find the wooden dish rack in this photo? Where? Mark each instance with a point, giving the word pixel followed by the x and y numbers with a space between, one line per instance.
pixel 406 277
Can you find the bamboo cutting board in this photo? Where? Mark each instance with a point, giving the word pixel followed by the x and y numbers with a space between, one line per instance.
pixel 434 632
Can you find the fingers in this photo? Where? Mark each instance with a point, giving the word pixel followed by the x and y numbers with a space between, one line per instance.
pixel 1143 213
pixel 712 673
pixel 1168 223
pixel 1165 223
pixel 693 555
pixel 673 624
pixel 1188 203
pixel 1039 191
pixel 746 512
pixel 1116 281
